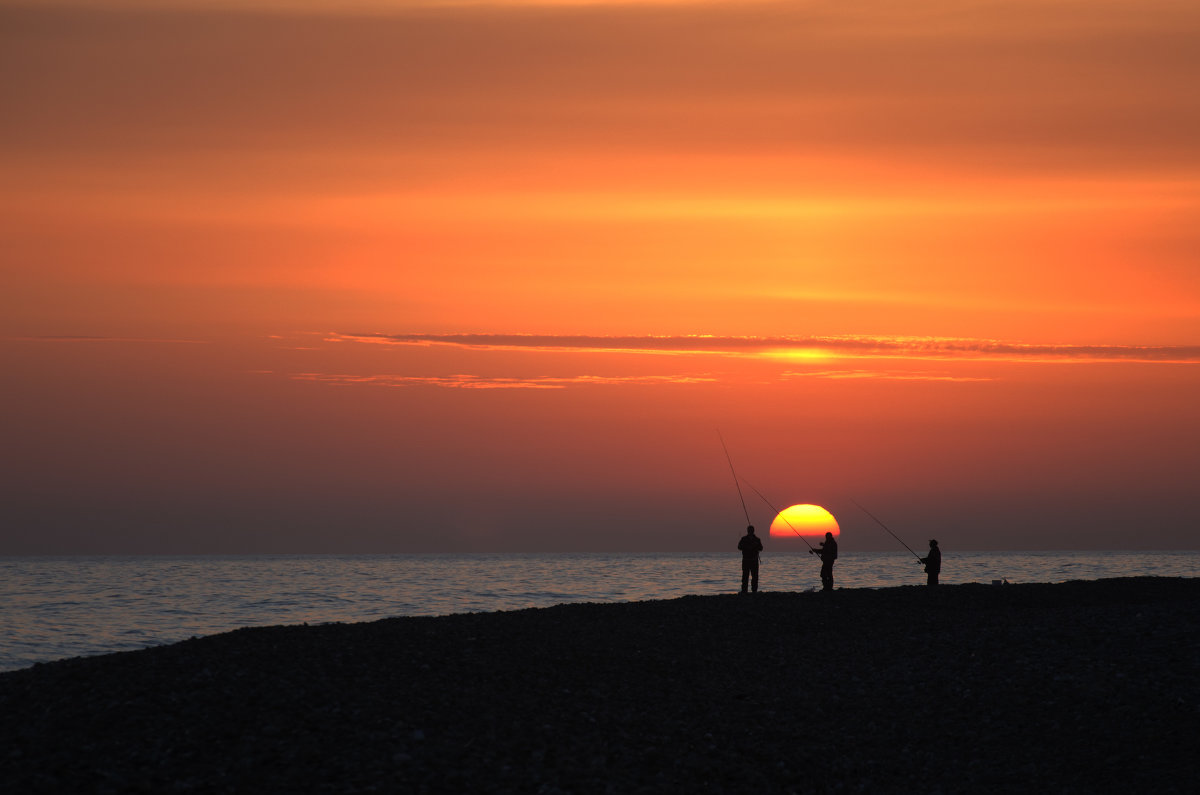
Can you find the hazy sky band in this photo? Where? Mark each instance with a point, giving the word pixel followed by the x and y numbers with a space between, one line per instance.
pixel 834 345
pixel 826 75
pixel 543 150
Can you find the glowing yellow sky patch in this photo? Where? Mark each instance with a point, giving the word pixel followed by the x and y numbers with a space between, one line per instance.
pixel 799 354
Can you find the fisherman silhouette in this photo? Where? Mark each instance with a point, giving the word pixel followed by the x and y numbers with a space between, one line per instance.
pixel 933 563
pixel 750 545
pixel 828 553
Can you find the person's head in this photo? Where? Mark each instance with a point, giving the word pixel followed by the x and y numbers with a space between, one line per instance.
pixel 932 543
pixel 750 529
pixel 829 536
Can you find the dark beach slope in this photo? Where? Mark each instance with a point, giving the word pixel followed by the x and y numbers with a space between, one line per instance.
pixel 1081 686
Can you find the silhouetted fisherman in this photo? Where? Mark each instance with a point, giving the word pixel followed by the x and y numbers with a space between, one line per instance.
pixel 933 563
pixel 828 553
pixel 750 545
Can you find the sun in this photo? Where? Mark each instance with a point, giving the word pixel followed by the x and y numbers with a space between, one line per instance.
pixel 807 521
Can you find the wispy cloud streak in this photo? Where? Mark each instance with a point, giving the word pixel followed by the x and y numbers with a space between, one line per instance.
pixel 882 375
pixel 462 381
pixel 947 348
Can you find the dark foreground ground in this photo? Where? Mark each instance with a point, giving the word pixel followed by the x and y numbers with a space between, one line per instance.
pixel 1076 687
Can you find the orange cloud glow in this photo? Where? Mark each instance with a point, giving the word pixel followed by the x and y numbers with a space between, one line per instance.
pixel 799 348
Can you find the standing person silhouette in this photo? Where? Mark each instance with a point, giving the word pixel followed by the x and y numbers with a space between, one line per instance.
pixel 828 553
pixel 750 545
pixel 933 563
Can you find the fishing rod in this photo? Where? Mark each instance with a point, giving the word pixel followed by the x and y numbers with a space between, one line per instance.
pixel 780 515
pixel 885 527
pixel 735 478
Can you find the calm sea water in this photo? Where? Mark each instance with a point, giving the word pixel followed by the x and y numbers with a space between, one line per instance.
pixel 57 607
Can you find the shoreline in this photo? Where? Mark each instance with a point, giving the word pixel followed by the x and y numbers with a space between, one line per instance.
pixel 67 608
pixel 1074 686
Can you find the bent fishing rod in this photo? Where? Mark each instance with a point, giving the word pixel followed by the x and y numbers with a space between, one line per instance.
pixel 735 478
pixel 885 527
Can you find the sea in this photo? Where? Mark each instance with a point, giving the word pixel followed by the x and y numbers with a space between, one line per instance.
pixel 53 608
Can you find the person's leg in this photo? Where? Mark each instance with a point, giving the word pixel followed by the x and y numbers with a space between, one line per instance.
pixel 754 577
pixel 745 575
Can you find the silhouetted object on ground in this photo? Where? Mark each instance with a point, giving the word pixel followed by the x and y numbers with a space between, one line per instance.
pixel 828 552
pixel 750 545
pixel 933 562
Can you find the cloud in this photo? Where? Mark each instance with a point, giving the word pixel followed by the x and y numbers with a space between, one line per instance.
pixel 811 347
pixel 462 381
pixel 882 375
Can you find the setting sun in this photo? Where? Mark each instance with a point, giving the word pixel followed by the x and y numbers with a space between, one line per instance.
pixel 807 521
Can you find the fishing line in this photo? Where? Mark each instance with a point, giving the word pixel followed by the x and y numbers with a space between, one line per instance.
pixel 735 478
pixel 885 527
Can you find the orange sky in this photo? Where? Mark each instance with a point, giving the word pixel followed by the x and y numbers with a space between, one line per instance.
pixel 391 276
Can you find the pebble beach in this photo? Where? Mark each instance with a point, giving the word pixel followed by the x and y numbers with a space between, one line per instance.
pixel 1084 686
